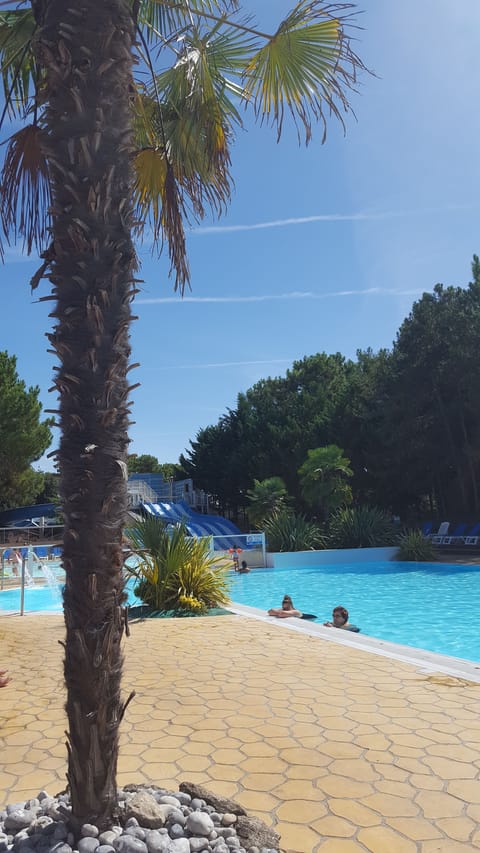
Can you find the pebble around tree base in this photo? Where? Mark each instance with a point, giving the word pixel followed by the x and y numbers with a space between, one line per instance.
pixel 151 820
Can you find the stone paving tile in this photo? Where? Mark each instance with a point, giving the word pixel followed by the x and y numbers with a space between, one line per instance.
pixel 416 828
pixel 339 750
pixel 447 846
pixel 380 839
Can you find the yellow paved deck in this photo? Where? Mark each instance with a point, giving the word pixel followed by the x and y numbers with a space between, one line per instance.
pixel 341 750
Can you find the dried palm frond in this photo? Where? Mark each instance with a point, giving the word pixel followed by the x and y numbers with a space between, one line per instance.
pixel 159 201
pixel 25 189
pixel 173 215
pixel 150 167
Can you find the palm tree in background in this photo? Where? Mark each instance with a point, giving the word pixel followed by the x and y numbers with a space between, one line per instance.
pixel 99 156
pixel 323 479
pixel 267 497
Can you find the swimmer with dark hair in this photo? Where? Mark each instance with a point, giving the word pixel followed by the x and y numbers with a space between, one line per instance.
pixel 340 620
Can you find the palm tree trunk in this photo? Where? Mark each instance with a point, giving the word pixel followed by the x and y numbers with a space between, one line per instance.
pixel 85 49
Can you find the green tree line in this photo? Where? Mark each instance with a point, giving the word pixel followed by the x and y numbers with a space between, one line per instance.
pixel 23 439
pixel 408 418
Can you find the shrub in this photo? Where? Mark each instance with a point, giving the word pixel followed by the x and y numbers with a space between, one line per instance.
pixel 202 583
pixel 360 527
pixel 414 547
pixel 287 532
pixel 175 571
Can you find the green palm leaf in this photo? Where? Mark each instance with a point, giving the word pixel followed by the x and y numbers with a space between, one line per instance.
pixel 185 121
pixel 304 68
pixel 17 65
pixel 186 116
pixel 168 20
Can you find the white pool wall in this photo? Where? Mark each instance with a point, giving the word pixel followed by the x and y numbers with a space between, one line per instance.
pixel 333 556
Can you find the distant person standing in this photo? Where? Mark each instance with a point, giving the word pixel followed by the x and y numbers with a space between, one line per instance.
pixel 235 556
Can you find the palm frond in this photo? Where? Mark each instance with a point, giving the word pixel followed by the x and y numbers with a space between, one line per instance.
pixel 17 65
pixel 159 203
pixel 147 128
pixel 185 121
pixel 185 118
pixel 228 51
pixel 25 189
pixel 198 119
pixel 305 68
pixel 167 20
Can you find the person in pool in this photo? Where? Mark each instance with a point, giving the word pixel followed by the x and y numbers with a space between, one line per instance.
pixel 340 620
pixel 287 609
pixel 243 570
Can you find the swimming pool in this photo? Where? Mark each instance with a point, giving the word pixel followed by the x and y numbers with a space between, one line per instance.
pixel 45 598
pixel 428 606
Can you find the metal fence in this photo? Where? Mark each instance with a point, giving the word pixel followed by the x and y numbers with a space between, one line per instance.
pixel 17 537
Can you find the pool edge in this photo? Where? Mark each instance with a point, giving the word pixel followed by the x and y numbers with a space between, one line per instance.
pixel 425 661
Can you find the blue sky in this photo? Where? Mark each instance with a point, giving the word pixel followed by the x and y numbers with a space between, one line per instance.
pixel 323 249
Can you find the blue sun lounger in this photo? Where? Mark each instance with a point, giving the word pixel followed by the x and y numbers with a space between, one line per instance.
pixel 41 552
pixel 438 537
pixel 474 535
pixel 457 536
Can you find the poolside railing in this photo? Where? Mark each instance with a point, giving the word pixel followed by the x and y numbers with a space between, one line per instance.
pixel 19 536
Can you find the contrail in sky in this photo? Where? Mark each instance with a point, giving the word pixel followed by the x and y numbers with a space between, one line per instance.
pixel 360 216
pixel 276 297
pixel 326 217
pixel 298 220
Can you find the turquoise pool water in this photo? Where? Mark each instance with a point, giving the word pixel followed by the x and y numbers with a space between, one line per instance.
pixel 429 606
pixel 44 598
